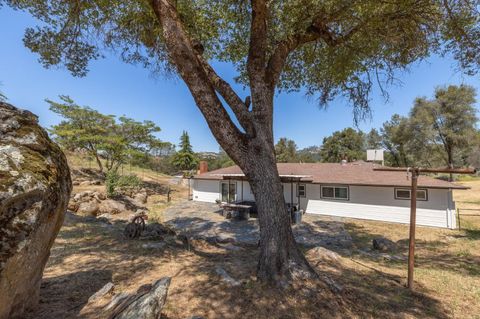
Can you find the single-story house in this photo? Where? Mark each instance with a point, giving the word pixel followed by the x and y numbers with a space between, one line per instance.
pixel 352 190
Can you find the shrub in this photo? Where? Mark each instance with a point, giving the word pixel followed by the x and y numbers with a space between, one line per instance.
pixel 115 182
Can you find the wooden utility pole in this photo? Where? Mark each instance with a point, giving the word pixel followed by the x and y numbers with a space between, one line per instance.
pixel 415 172
pixel 413 223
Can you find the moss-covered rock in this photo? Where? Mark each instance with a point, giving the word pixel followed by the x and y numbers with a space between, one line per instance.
pixel 35 187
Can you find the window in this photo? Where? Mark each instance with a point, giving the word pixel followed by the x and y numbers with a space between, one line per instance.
pixel 228 192
pixel 404 193
pixel 334 192
pixel 301 190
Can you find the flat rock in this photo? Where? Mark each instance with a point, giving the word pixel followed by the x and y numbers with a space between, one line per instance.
pixel 108 288
pixel 323 253
pixel 226 277
pixel 154 245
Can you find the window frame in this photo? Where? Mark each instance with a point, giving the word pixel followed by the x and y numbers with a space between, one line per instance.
pixel 304 190
pixel 425 190
pixel 335 186
pixel 231 182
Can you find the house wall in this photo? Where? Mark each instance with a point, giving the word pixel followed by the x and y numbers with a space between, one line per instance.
pixel 205 190
pixel 365 202
pixel 379 203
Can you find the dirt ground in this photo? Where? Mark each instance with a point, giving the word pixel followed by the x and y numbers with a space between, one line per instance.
pixel 88 253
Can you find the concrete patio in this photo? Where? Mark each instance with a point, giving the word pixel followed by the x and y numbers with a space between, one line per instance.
pixel 203 220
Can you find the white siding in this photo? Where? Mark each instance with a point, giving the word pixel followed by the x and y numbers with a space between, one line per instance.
pixel 365 202
pixel 247 192
pixel 379 203
pixel 206 191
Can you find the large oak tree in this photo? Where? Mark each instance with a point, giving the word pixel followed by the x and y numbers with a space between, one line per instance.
pixel 327 47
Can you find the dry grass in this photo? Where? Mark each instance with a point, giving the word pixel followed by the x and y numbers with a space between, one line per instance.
pixel 447 261
pixel 87 254
pixel 156 181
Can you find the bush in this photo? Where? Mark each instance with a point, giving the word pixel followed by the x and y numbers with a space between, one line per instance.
pixel 115 182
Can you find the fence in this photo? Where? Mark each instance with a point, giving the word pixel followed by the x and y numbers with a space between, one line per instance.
pixel 470 213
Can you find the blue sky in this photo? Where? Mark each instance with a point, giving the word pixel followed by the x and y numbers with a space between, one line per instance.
pixel 114 87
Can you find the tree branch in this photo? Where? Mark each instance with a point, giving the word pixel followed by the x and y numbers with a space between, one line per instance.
pixel 233 100
pixel 192 71
pixel 258 41
pixel 318 30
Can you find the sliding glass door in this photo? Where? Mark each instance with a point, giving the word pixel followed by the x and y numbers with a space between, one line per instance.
pixel 228 193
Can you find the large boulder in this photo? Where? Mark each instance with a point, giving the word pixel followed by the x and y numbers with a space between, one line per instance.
pixel 35 187
pixel 111 206
pixel 89 208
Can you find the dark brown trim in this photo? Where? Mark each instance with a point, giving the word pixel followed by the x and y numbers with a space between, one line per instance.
pixel 408 189
pixel 338 186
pixel 360 184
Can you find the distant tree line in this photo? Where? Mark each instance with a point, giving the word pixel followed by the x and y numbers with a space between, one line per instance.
pixel 441 131
pixel 113 141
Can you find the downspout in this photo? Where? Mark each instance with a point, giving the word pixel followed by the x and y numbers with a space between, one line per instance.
pixel 451 210
pixel 291 193
pixel 298 196
pixel 228 196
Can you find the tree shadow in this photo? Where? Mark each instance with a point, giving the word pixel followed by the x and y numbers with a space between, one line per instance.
pixel 65 295
pixel 365 295
pixel 432 254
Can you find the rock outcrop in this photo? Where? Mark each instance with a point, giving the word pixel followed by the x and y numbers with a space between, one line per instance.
pixel 383 244
pixel 146 303
pixel 35 187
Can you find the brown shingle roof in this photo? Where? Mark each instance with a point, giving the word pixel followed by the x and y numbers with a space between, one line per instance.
pixel 357 173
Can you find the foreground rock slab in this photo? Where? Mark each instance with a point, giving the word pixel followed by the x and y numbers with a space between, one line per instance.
pixel 35 187
pixel 146 303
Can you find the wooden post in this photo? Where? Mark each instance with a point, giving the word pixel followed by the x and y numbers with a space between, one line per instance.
pixel 242 189
pixel 413 204
pixel 458 217
pixel 413 221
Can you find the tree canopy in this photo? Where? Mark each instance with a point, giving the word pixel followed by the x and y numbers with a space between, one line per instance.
pixel 373 140
pixel 328 47
pixel 185 158
pixel 447 122
pixel 102 136
pixel 348 144
pixel 437 132
pixel 286 151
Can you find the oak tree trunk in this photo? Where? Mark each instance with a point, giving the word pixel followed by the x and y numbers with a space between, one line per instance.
pixel 280 260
